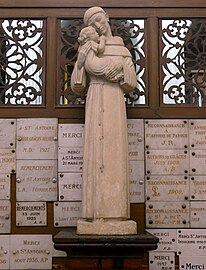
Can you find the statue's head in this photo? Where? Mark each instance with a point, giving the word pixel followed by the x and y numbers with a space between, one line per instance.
pixel 97 17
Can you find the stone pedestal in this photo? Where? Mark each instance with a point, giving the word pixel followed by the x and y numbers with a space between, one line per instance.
pixel 104 251
pixel 126 227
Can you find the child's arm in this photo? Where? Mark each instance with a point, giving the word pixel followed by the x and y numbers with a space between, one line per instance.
pixel 101 46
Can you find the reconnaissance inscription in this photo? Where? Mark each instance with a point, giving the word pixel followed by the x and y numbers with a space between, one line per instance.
pixel 70 159
pixel 166 134
pixel 167 188
pixel 167 214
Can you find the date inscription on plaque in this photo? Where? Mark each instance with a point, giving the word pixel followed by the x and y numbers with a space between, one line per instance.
pixel 166 134
pixel 167 214
pixel 167 188
pixel 37 138
pixel 31 214
pixel 164 162
pixel 164 261
pixel 31 252
pixel 36 180
pixel 70 159
pixel 66 214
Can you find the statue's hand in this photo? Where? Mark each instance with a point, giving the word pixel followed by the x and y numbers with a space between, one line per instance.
pixel 82 54
pixel 113 70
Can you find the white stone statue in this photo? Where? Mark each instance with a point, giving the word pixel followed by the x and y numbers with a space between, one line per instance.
pixel 106 65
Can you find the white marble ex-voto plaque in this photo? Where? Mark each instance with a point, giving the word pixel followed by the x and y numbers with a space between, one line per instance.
pixel 198 214
pixel 70 159
pixel 197 187
pixel 70 135
pixel 167 239
pixel 7 133
pixel 161 260
pixel 4 252
pixel 191 241
pixel 36 180
pixel 167 188
pixel 166 134
pixel 31 214
pixel 66 214
pixel 31 251
pixel 197 162
pixel 70 186
pixel 135 129
pixel 136 179
pixel 192 262
pixel 167 214
pixel 164 162
pixel 5 216
pixel 37 138
pixel 7 161
pixel 197 134
pixel 4 186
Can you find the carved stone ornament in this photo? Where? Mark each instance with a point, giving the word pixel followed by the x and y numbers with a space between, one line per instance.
pixel 106 64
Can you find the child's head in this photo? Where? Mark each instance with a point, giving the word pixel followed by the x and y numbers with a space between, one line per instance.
pixel 86 34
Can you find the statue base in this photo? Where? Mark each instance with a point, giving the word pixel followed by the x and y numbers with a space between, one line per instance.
pixel 106 227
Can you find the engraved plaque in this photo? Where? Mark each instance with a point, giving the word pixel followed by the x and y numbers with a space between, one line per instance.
pixel 164 162
pixel 197 134
pixel 161 260
pixel 4 186
pixel 7 133
pixel 5 216
pixel 197 162
pixel 70 186
pixel 197 187
pixel 70 159
pixel 136 178
pixel 4 252
pixel 36 180
pixel 167 239
pixel 167 214
pixel 135 139
pixel 71 135
pixel 192 262
pixel 167 188
pixel 166 134
pixel 197 214
pixel 31 214
pixel 191 241
pixel 37 138
pixel 7 161
pixel 31 251
pixel 66 214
